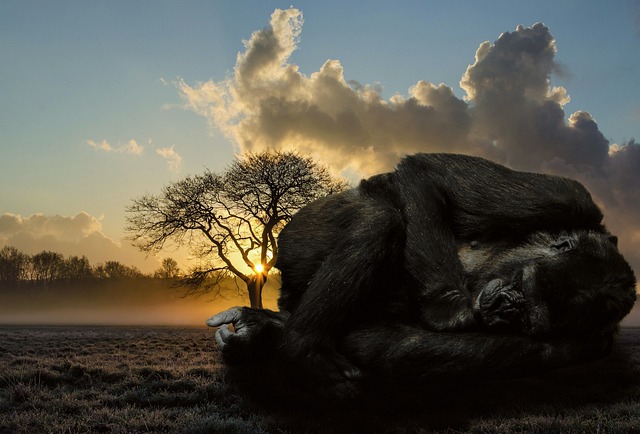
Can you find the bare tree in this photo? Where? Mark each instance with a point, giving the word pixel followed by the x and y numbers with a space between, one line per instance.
pixel 168 270
pixel 13 265
pixel 231 220
pixel 116 270
pixel 77 268
pixel 47 266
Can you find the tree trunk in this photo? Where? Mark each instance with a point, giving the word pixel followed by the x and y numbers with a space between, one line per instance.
pixel 254 286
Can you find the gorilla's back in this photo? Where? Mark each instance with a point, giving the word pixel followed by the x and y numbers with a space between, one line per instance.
pixel 308 239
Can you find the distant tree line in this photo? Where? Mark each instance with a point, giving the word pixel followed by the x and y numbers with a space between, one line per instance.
pixel 48 267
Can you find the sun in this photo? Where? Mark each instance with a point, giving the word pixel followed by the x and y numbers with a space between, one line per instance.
pixel 259 268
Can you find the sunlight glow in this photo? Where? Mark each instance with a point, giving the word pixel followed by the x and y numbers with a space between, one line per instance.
pixel 259 268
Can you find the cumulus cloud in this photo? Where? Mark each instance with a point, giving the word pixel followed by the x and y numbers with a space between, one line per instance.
pixel 131 147
pixel 70 235
pixel 510 114
pixel 269 103
pixel 513 105
pixel 173 159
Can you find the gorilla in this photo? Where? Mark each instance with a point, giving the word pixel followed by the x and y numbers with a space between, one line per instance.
pixel 450 266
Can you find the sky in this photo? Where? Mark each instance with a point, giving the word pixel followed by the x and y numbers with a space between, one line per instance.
pixel 102 102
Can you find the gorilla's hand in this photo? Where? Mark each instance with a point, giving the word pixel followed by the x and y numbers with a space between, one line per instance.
pixel 232 317
pixel 255 334
pixel 501 305
pixel 259 334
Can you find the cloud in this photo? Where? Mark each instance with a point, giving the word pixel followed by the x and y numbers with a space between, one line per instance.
pixel 102 146
pixel 76 235
pixel 38 225
pixel 514 107
pixel 173 159
pixel 269 103
pixel 131 147
pixel 510 114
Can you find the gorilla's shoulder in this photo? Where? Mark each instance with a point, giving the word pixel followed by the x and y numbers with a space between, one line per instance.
pixel 382 184
pixel 444 159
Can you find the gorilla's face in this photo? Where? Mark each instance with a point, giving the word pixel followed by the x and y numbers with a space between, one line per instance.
pixel 551 284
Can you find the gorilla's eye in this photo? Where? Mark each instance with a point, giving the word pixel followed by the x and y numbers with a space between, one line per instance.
pixel 564 244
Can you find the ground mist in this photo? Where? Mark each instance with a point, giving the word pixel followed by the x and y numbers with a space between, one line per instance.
pixel 142 302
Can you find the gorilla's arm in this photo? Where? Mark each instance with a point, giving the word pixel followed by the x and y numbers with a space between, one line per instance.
pixel 488 201
pixel 367 245
pixel 412 354
pixel 399 352
pixel 450 198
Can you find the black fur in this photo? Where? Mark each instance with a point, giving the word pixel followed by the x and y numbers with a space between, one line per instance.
pixel 449 266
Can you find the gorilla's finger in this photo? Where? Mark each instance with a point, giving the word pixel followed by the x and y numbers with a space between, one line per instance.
pixel 230 316
pixel 221 343
pixel 222 336
pixel 352 373
pixel 241 329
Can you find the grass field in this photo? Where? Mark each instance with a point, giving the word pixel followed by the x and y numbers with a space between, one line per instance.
pixel 137 380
